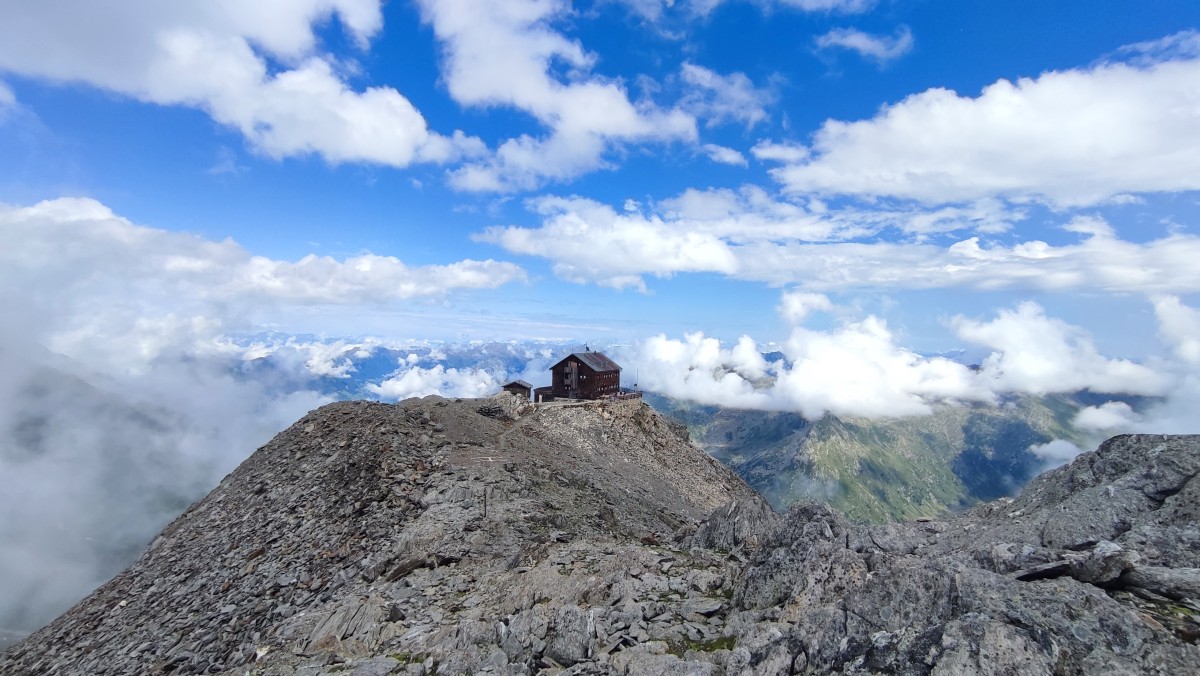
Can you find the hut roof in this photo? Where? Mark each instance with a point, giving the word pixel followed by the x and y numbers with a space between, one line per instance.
pixel 594 360
pixel 520 383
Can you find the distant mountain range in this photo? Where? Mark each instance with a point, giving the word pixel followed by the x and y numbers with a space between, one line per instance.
pixel 350 370
pixel 885 469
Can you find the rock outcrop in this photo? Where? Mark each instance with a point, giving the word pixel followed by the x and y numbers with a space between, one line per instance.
pixel 489 536
pixel 1091 570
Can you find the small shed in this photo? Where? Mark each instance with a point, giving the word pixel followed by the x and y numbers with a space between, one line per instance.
pixel 519 388
pixel 585 375
pixel 542 394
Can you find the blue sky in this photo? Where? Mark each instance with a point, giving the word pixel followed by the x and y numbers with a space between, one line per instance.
pixel 179 177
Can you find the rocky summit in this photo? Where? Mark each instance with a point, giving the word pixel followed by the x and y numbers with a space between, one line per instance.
pixel 493 536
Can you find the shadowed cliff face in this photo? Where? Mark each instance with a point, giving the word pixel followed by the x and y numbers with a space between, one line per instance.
pixel 472 536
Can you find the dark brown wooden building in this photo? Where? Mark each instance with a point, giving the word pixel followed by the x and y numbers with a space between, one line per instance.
pixel 585 375
pixel 519 388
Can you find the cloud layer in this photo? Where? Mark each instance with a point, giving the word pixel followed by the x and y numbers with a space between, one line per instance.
pixel 77 255
pixel 859 368
pixel 748 234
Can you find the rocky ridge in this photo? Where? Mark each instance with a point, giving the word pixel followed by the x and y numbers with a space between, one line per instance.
pixel 491 536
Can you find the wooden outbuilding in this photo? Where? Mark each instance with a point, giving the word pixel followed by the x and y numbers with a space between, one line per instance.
pixel 519 388
pixel 585 375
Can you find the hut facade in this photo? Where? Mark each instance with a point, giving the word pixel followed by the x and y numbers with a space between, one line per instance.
pixel 585 375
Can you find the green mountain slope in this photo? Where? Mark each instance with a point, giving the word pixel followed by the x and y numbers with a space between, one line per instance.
pixel 883 469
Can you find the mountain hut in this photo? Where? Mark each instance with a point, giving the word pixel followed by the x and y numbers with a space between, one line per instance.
pixel 519 388
pixel 585 375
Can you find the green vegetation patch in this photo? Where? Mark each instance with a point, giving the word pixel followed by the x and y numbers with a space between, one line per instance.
pixel 679 648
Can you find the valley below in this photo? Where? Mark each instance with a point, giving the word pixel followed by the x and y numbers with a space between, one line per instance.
pixel 879 470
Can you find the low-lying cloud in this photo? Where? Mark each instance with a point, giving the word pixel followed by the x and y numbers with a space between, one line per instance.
pixel 1056 452
pixel 125 396
pixel 448 382
pixel 93 465
pixel 858 368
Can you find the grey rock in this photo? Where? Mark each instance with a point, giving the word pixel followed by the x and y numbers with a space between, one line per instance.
pixel 702 606
pixel 611 545
pixel 375 666
pixel 1174 583
pixel 1104 563
pixel 737 526
pixel 571 636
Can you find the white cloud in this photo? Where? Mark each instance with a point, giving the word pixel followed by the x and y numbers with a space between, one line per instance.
pixel 859 368
pixel 723 98
pixel 1037 354
pixel 131 292
pixel 795 306
pixel 856 369
pixel 1173 414
pixel 591 242
pixel 699 369
pixel 704 7
pixel 88 246
pixel 1182 45
pixel 1111 415
pixel 255 67
pixel 745 233
pixel 1101 261
pixel 879 48
pixel 650 10
pixel 779 152
pixel 365 278
pixel 845 6
pixel 749 234
pixel 226 163
pixel 1056 452
pixel 987 216
pixel 333 359
pixel 723 155
pixel 95 461
pixel 1068 138
pixel 508 54
pixel 149 400
pixel 8 99
pixel 1179 326
pixel 447 382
